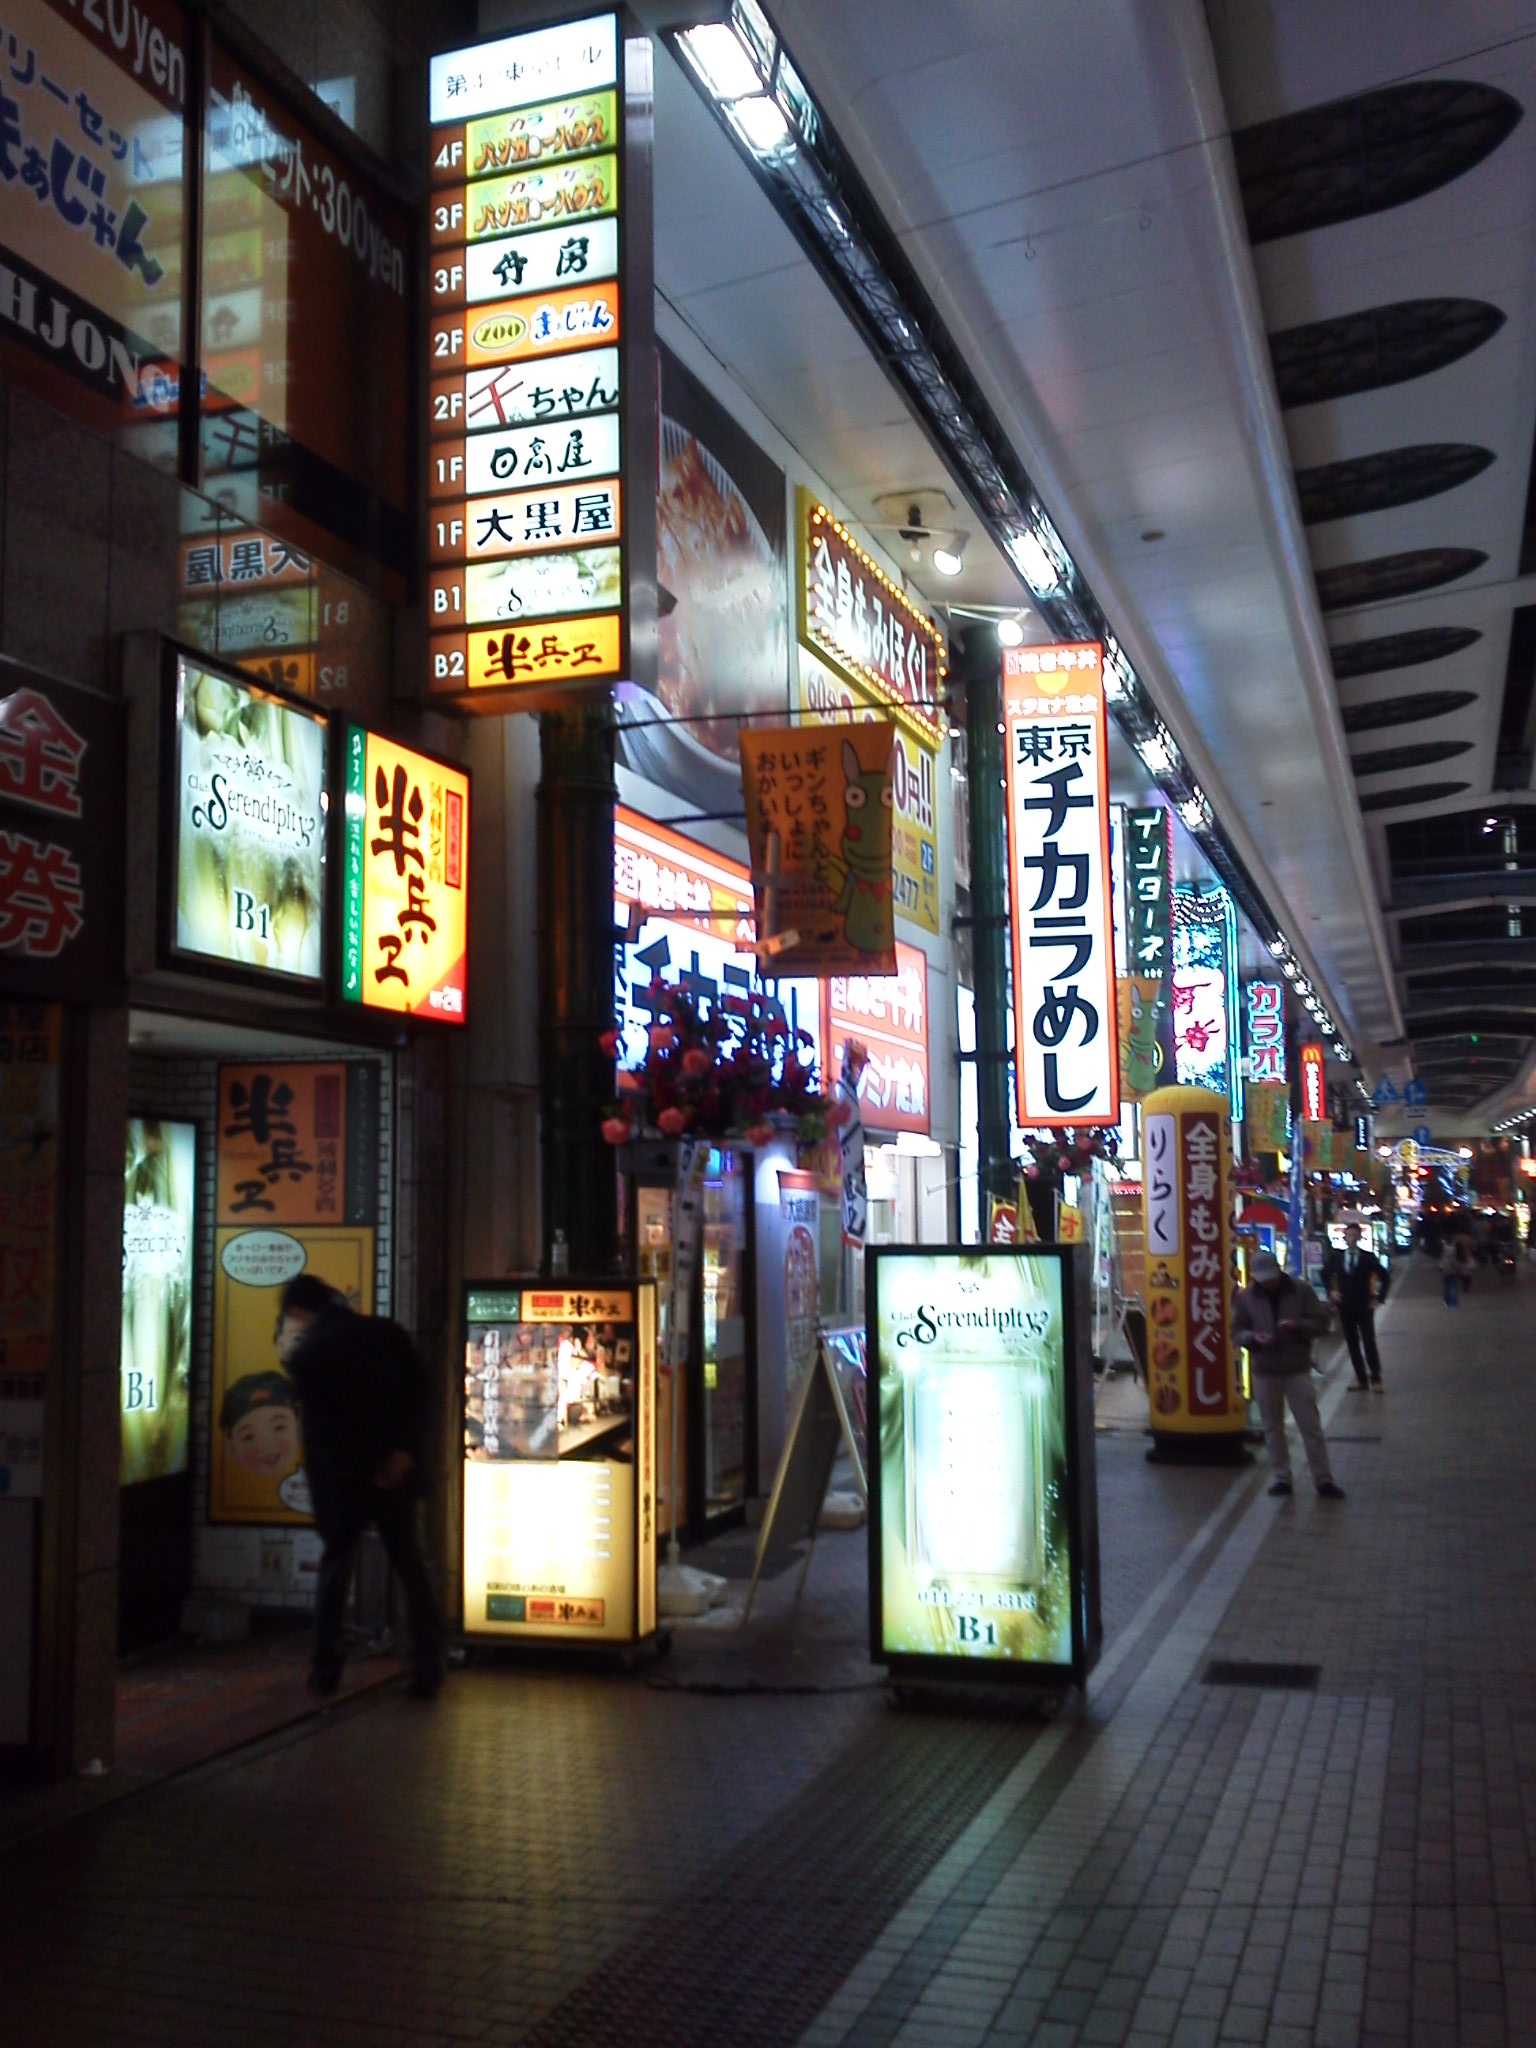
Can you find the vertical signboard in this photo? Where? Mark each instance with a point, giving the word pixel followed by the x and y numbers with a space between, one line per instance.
pixel 1066 1055
pixel 856 618
pixel 1187 1209
pixel 1149 892
pixel 1314 1096
pixel 61 835
pixel 542 388
pixel 983 1541
pixel 1205 995
pixel 159 1217
pixel 559 1447
pixel 1264 1013
pixel 404 884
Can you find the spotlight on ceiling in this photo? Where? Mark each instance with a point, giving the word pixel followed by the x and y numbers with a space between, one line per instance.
pixel 1010 633
pixel 947 560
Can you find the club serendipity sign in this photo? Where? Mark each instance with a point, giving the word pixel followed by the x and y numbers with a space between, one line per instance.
pixel 530 420
pixel 405 893
pixel 249 867
pixel 1058 876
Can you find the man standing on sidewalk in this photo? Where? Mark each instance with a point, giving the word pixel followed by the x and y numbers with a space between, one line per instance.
pixel 1277 1317
pixel 1356 1282
pixel 364 1406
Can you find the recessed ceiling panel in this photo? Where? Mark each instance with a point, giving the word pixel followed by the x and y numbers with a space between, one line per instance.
pixel 1412 709
pixel 1381 345
pixel 1393 760
pixel 1400 650
pixel 1418 793
pixel 1396 476
pixel 1362 155
pixel 1391 576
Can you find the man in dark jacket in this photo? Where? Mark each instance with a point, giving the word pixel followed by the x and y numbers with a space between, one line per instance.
pixel 364 1404
pixel 1277 1317
pixel 1356 1281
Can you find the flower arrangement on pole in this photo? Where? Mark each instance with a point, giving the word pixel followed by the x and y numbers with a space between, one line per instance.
pixel 711 1075
pixel 1050 1154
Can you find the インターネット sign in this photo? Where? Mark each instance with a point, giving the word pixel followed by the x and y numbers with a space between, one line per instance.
pixel 537 418
pixel 405 891
pixel 1065 1038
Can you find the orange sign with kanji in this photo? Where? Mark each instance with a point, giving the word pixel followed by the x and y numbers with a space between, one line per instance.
pixel 282 1143
pixel 405 880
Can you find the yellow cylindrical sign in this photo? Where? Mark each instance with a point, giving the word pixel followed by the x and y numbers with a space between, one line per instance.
pixel 1188 1209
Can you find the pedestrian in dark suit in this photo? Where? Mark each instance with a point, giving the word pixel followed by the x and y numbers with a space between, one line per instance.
pixel 1356 1281
pixel 365 1401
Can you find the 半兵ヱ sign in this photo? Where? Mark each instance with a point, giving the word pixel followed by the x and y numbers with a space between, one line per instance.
pixel 1065 1038
pixel 405 884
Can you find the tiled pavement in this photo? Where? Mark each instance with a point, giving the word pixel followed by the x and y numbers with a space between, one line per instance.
pixel 687 1855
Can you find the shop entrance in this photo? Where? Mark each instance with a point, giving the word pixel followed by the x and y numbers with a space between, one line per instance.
pixel 249 1156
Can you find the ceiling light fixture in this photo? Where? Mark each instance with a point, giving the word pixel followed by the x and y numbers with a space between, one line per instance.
pixel 1010 633
pixel 947 561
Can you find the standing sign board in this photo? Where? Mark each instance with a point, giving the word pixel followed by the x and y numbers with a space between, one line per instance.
pixel 1188 1210
pixel 61 826
pixel 1058 876
pixel 542 382
pixel 984 1555
pixel 559 1477
pixel 828 1416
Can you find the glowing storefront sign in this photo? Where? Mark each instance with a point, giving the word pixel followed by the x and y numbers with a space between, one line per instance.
pixel 159 1215
pixel 690 914
pixel 530 414
pixel 1264 1008
pixel 1067 1056
pixel 1314 1098
pixel 405 880
pixel 977 1512
pixel 1205 1013
pixel 854 616
pixel 887 1014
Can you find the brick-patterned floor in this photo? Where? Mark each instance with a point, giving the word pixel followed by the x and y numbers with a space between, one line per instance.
pixel 745 1843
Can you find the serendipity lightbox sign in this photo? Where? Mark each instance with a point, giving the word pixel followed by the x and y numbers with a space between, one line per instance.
pixel 1057 778
pixel 538 415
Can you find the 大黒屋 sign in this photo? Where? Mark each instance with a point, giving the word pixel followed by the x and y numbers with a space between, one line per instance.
pixel 529 407
pixel 405 894
pixel 1066 1054
pixel 854 617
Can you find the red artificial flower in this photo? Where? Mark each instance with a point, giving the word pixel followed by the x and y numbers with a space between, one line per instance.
pixel 696 1061
pixel 671 1122
pixel 615 1129
pixel 610 1044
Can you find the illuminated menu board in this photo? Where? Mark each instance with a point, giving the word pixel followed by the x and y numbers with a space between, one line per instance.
pixel 534 433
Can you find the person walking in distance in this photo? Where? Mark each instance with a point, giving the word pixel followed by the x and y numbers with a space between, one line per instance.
pixel 1277 1317
pixel 1356 1281
pixel 364 1406
pixel 1450 1273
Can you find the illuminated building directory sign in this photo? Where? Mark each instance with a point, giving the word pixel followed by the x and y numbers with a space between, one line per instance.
pixel 1058 876
pixel 536 417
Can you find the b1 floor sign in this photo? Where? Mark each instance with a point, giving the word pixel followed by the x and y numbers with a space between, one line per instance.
pixel 1191 1383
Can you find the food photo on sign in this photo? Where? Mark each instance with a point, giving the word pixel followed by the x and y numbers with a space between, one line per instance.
pixel 819 804
pixel 723 630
